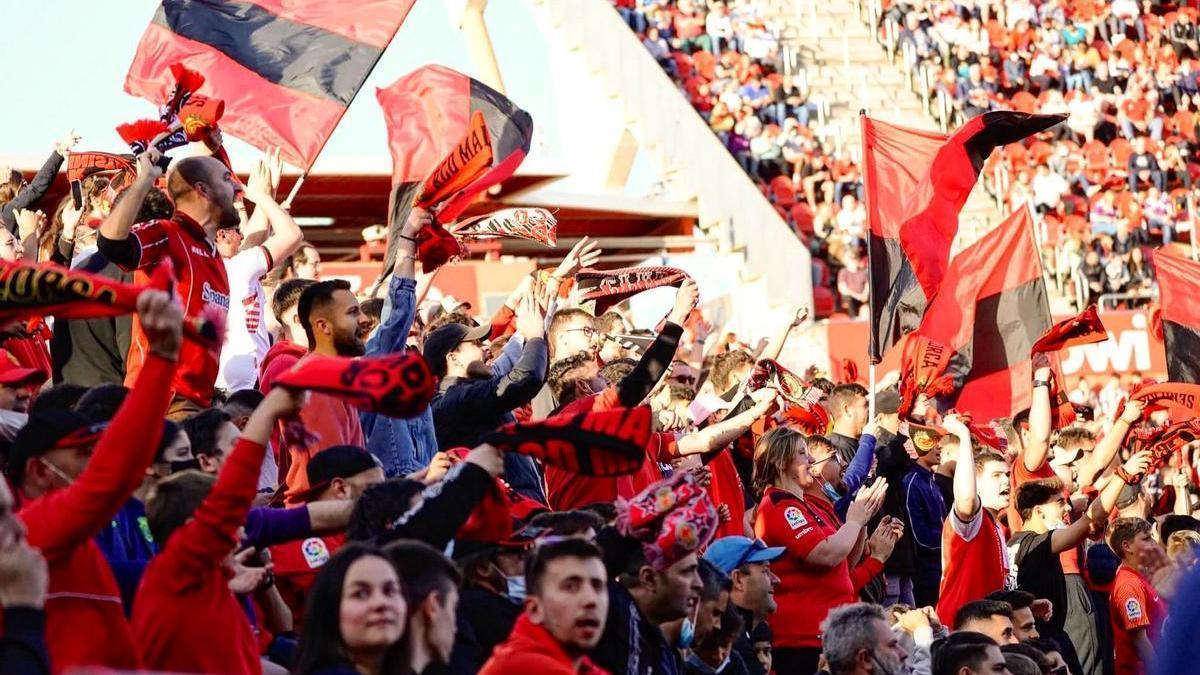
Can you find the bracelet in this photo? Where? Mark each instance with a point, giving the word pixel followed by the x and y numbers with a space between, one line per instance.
pixel 412 239
pixel 1127 477
pixel 1041 383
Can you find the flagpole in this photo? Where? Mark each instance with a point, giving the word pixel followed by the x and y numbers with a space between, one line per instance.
pixel 862 125
pixel 287 203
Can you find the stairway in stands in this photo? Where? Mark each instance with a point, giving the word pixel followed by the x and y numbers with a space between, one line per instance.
pixel 850 71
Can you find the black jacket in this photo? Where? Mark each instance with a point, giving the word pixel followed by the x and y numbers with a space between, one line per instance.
pixel 89 352
pixel 484 621
pixel 444 507
pixel 632 644
pixel 465 409
pixel 30 194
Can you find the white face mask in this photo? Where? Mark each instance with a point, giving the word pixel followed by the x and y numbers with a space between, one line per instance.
pixel 516 587
pixel 56 471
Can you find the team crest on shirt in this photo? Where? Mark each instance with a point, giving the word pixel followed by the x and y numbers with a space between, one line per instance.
pixel 316 553
pixel 1133 610
pixel 794 517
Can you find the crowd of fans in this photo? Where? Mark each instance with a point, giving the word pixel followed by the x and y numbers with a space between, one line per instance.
pixel 160 511
pixel 1117 177
pixel 724 55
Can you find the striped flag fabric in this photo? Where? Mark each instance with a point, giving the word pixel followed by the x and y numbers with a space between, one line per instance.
pixel 286 69
pixel 451 137
pixel 991 310
pixel 1179 288
pixel 916 183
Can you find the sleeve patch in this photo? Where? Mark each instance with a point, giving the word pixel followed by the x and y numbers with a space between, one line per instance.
pixel 794 517
pixel 1133 610
pixel 315 552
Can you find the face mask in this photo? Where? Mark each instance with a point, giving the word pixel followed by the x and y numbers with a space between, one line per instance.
pixel 687 634
pixel 516 587
pixel 184 465
pixel 830 491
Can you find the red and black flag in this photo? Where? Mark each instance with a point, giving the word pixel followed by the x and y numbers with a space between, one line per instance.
pixel 991 309
pixel 1179 291
pixel 451 137
pixel 286 69
pixel 916 183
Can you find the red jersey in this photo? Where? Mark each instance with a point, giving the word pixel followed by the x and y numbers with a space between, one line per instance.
pixel 974 561
pixel 85 623
pixel 806 591
pixel 1133 604
pixel 726 488
pixel 202 285
pixel 296 566
pixel 185 617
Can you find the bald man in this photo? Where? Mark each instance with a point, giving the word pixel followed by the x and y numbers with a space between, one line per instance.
pixel 203 190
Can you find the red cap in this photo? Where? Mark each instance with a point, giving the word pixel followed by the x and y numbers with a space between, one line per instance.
pixel 12 372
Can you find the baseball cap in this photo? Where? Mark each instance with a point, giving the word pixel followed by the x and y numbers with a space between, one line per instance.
pixel 730 553
pixel 48 430
pixel 446 339
pixel 337 461
pixel 12 373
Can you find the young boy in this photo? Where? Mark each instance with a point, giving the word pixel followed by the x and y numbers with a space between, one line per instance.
pixel 1136 609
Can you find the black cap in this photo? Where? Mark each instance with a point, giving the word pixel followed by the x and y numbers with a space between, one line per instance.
pixel 339 461
pixel 49 429
pixel 446 339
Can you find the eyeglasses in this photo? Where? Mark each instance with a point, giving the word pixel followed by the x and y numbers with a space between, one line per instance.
pixel 586 331
pixel 833 456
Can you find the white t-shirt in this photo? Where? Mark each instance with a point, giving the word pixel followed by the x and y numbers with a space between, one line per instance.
pixel 246 336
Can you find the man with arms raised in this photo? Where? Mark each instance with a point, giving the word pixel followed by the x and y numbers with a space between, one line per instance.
pixel 204 191
pixel 565 607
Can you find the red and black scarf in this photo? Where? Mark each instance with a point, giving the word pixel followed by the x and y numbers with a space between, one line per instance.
pixel 34 290
pixel 1182 399
pixel 607 443
pixel 1162 442
pixel 396 385
pixel 536 225
pixel 923 371
pixel 610 287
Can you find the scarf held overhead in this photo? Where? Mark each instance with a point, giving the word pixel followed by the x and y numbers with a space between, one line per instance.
pixel 396 385
pixel 608 443
pixel 1182 399
pixel 610 287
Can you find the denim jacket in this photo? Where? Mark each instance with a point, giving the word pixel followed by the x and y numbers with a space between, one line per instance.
pixel 401 445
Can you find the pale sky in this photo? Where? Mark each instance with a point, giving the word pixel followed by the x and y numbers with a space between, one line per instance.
pixel 66 61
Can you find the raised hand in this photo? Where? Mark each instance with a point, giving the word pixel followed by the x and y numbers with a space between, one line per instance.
pixel 1132 412
pixel 867 502
pixel 64 145
pixel 955 425
pixel 29 222
pixel 585 253
pixel 530 321
pixel 258 184
pixel 147 165
pixel 685 301
pixel 418 219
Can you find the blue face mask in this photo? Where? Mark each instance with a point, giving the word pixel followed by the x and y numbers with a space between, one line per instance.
pixel 687 634
pixel 516 588
pixel 830 491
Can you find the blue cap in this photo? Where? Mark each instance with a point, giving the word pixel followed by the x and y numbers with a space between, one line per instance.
pixel 730 553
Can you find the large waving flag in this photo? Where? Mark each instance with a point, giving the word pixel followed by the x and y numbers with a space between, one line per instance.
pixel 916 184
pixel 451 137
pixel 1179 288
pixel 991 309
pixel 286 69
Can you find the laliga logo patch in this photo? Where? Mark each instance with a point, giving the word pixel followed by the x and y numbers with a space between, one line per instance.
pixel 794 517
pixel 316 553
pixel 1133 609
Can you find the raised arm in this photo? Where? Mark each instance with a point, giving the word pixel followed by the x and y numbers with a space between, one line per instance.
pixel 526 378
pixel 721 434
pixel 966 499
pixel 1097 512
pixel 41 182
pixel 113 239
pixel 638 384
pixel 775 346
pixel 285 235
pixel 446 505
pixel 400 306
pixel 1035 452
pixel 208 538
pixel 1108 446
pixel 66 518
